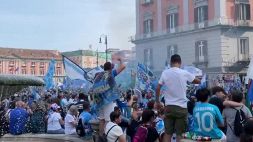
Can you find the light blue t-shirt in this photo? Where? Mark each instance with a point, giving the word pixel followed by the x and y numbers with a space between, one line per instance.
pixel 86 116
pixel 206 116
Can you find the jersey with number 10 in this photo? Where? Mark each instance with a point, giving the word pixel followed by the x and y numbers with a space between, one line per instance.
pixel 206 117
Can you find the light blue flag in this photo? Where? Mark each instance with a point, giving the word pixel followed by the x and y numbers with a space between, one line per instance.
pixel 49 81
pixel 104 89
pixel 203 82
pixel 145 80
pixel 74 71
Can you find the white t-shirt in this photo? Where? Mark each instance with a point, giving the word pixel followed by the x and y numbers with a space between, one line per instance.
pixel 114 133
pixel 69 128
pixel 105 111
pixel 175 80
pixel 53 122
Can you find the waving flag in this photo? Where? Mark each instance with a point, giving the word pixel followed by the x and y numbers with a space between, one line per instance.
pixel 74 71
pixel 50 75
pixel 145 79
pixel 250 91
pixel 104 89
pixel 250 70
pixel 193 70
pixel 92 73
pixel 203 83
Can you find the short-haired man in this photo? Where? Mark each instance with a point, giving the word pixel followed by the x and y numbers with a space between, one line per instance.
pixel 113 130
pixel 104 112
pixel 229 116
pixel 206 117
pixel 175 79
pixel 18 119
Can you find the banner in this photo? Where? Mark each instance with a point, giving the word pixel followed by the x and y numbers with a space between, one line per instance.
pixel 250 70
pixel 74 71
pixel 144 79
pixel 49 82
pixel 104 89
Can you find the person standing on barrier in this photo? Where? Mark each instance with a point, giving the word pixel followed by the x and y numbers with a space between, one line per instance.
pixel 104 112
pixel 175 79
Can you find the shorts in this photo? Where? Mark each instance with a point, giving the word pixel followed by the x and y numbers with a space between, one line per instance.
pixel 175 120
pixel 105 111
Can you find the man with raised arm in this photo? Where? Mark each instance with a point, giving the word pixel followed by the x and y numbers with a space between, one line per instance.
pixel 175 79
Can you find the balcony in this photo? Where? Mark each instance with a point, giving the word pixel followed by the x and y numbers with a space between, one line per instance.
pixel 196 26
pixel 244 23
pixel 146 2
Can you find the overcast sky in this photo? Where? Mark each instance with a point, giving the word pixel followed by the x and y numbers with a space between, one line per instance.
pixel 66 25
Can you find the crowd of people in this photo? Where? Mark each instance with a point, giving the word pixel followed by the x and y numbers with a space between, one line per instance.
pixel 209 114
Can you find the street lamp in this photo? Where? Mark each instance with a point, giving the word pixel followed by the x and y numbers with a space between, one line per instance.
pixel 100 41
pixel 97 57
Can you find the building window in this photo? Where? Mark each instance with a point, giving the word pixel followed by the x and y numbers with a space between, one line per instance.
pixel 11 63
pixel 0 63
pixel 243 11
pixel 32 71
pixel 42 71
pixel 171 50
pixel 201 14
pixel 23 71
pixel 148 58
pixel 58 65
pixel 148 26
pixel 244 49
pixel 201 51
pixel 33 64
pixel 172 22
pixel 144 2
pixel 24 64
pixel 58 71
pixel 11 70
pixel 42 64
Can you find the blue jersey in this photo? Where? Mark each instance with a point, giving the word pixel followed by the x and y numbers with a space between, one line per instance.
pixel 18 120
pixel 206 116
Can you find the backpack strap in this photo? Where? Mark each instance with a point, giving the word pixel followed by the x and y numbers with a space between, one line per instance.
pixel 236 112
pixel 110 130
pixel 117 139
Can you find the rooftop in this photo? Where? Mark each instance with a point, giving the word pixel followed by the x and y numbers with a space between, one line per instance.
pixel 29 53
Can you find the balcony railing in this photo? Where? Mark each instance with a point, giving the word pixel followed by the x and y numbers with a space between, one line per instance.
pixel 195 26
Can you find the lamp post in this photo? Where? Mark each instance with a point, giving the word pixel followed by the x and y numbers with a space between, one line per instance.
pixel 100 41
pixel 97 57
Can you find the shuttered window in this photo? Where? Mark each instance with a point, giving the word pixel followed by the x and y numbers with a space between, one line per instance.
pixel 171 50
pixel 243 11
pixel 148 58
pixel 172 21
pixel 201 14
pixel 201 53
pixel 148 26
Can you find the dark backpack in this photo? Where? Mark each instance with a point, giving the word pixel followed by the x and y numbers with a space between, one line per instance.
pixel 239 122
pixel 141 134
pixel 80 129
pixel 132 128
